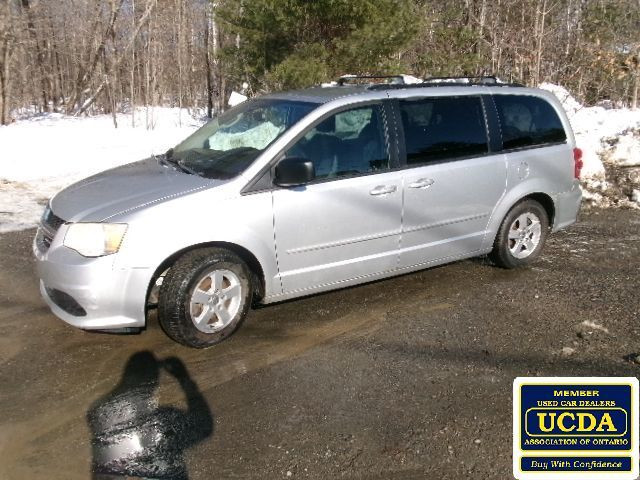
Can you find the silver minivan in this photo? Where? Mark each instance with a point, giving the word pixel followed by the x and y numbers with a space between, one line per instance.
pixel 300 192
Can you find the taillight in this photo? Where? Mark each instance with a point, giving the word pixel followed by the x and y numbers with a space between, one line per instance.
pixel 577 162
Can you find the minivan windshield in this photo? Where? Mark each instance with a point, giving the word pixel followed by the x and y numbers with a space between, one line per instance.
pixel 228 144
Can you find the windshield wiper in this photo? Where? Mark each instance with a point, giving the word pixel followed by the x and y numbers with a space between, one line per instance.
pixel 167 158
pixel 186 169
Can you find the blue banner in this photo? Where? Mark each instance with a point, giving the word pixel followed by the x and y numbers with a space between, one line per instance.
pixel 575 417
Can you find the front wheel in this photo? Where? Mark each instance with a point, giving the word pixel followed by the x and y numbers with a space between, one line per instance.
pixel 204 297
pixel 521 235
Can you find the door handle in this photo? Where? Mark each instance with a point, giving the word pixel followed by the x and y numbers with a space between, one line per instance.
pixel 422 183
pixel 383 190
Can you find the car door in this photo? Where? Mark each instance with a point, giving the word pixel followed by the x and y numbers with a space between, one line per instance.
pixel 452 179
pixel 345 224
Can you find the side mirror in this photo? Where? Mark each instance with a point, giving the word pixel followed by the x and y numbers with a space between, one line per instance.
pixel 294 171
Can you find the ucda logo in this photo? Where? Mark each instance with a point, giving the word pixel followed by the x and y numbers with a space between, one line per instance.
pixel 567 422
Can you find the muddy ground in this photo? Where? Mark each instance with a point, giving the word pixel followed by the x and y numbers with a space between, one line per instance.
pixel 404 378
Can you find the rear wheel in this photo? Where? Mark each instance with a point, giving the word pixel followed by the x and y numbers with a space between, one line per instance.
pixel 204 297
pixel 521 235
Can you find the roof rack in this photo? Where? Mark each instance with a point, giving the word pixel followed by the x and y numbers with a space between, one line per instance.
pixel 397 81
pixel 462 81
pixel 394 79
pixel 478 79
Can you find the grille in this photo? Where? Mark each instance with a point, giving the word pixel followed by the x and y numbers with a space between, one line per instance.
pixel 49 225
pixel 51 221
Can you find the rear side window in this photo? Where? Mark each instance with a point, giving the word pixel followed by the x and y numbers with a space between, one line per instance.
pixel 528 121
pixel 443 128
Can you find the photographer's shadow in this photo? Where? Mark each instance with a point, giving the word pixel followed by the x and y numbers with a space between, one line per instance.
pixel 132 436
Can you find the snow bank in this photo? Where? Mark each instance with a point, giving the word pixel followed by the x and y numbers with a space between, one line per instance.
pixel 43 154
pixel 607 136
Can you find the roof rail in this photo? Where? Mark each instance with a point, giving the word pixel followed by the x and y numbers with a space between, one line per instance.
pixel 395 79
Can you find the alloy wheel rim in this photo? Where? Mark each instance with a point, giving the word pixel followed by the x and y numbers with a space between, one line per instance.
pixel 215 300
pixel 524 237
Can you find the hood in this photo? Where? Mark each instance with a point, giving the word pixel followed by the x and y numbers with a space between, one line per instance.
pixel 124 188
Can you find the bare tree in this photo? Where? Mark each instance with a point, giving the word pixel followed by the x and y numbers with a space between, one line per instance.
pixel 121 56
pixel 7 39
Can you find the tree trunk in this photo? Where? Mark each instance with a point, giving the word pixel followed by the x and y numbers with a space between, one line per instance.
pixel 636 87
pixel 541 13
pixel 4 85
pixel 207 61
pixel 31 28
pixel 132 103
pixel 180 82
pixel 6 45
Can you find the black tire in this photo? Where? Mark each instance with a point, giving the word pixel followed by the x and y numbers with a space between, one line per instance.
pixel 501 254
pixel 179 283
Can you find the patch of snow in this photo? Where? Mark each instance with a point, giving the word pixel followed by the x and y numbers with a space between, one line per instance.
pixel 570 104
pixel 236 99
pixel 409 79
pixel 626 151
pixel 473 79
pixel 594 326
pixel 449 80
pixel 45 153
pixel 21 204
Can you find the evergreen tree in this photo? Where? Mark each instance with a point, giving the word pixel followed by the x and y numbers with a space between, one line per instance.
pixel 296 43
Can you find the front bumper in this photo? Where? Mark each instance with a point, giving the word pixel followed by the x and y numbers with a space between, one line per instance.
pixel 112 297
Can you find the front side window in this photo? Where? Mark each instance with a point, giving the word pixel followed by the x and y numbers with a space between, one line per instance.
pixel 442 128
pixel 227 145
pixel 352 142
pixel 528 121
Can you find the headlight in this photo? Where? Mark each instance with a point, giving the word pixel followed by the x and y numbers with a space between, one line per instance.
pixel 95 239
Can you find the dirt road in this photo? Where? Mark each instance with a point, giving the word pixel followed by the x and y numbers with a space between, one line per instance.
pixel 404 378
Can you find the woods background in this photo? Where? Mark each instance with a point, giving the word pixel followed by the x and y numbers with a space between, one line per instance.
pixel 77 56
